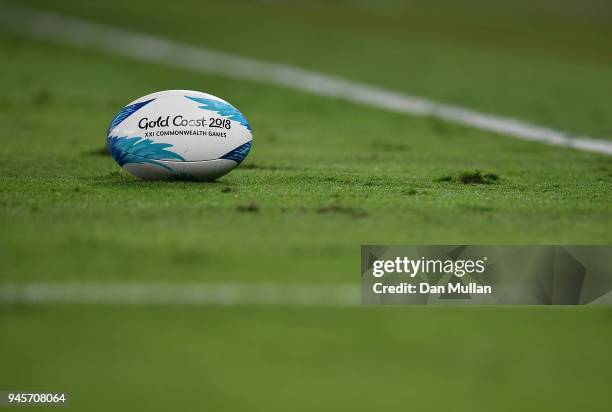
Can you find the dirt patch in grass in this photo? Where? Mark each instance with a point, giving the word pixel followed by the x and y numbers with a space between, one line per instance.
pixel 344 210
pixel 446 178
pixel 250 208
pixel 478 178
pixel 374 182
pixel 475 177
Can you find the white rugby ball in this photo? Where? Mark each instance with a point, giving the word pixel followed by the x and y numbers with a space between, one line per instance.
pixel 179 134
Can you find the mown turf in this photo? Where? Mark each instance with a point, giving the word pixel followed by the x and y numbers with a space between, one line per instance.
pixel 323 177
pixel 272 359
pixel 547 61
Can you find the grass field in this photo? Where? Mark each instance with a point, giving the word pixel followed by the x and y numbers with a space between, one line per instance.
pixel 323 177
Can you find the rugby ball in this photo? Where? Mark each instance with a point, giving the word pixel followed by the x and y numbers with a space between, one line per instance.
pixel 179 134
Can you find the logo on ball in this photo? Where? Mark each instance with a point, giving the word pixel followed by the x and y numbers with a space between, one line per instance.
pixel 179 134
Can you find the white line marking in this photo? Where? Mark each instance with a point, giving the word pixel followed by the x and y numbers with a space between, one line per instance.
pixel 214 294
pixel 149 48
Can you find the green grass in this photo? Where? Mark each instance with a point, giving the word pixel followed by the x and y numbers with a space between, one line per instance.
pixel 323 177
pixel 548 61
pixel 269 359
